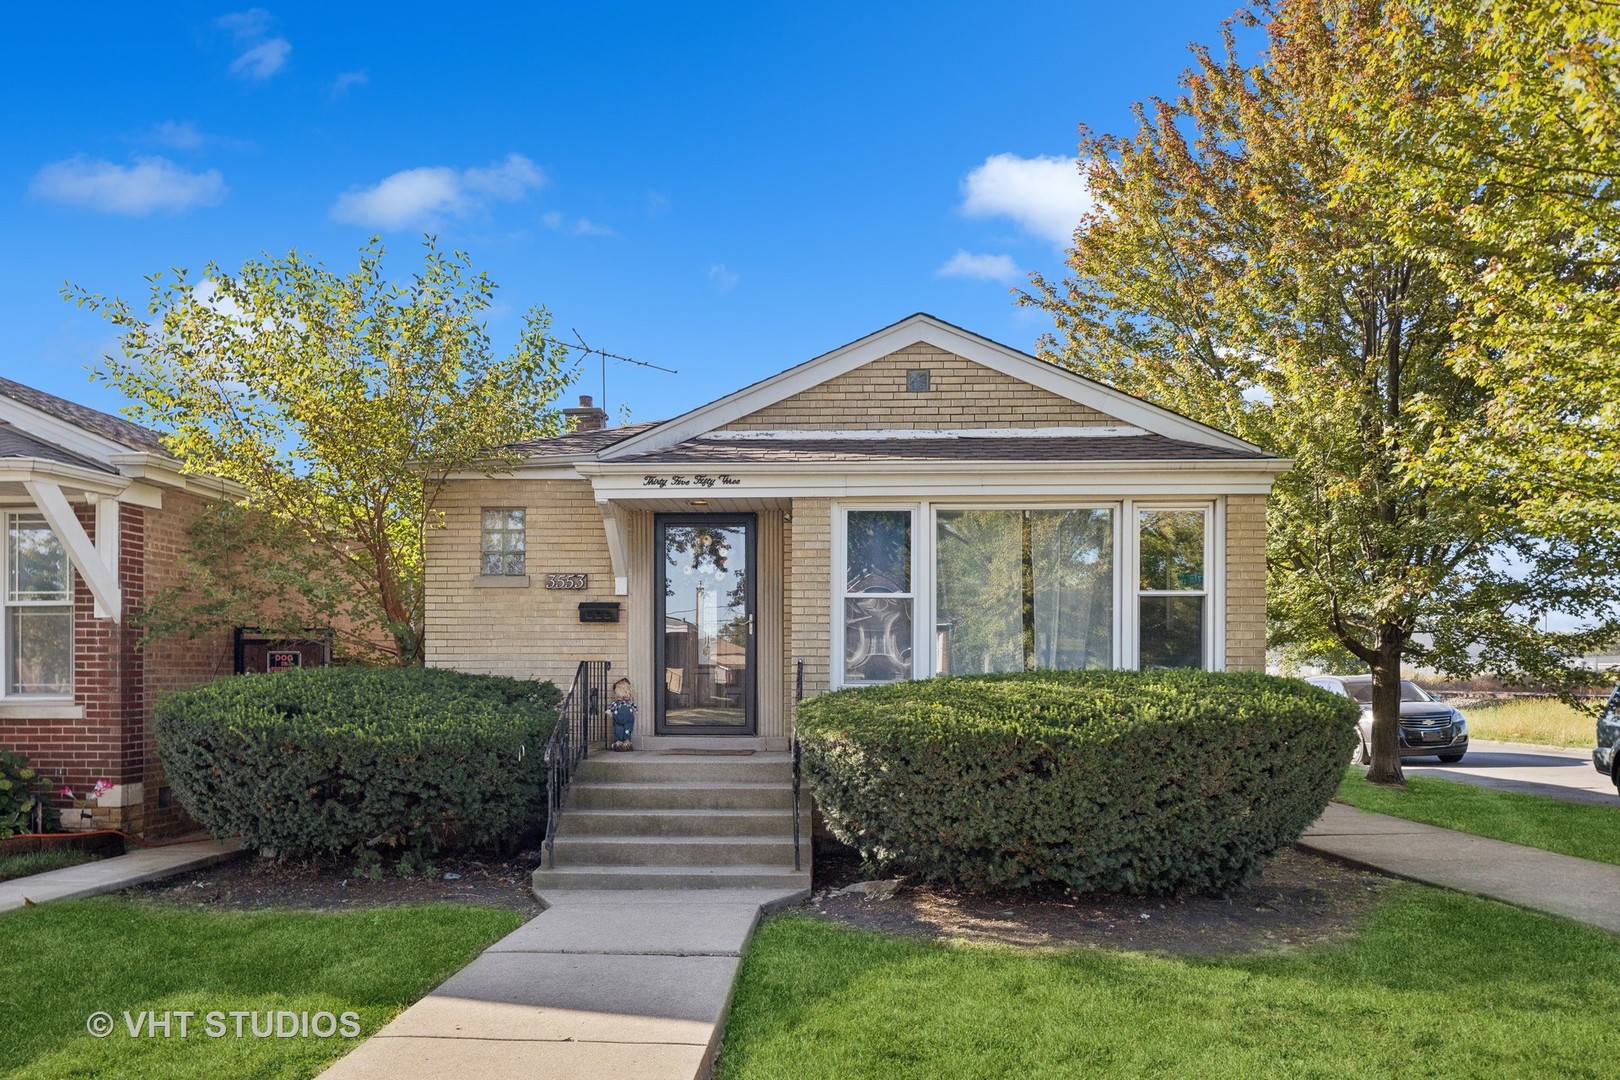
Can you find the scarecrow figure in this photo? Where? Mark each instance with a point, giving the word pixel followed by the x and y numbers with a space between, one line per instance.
pixel 622 711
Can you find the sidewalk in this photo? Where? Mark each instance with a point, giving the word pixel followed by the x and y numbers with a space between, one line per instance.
pixel 1578 889
pixel 628 984
pixel 118 872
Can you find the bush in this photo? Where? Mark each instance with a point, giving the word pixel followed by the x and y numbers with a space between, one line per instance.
pixel 1111 781
pixel 329 761
pixel 25 804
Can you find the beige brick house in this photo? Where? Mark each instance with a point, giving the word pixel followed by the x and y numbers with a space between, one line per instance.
pixel 918 502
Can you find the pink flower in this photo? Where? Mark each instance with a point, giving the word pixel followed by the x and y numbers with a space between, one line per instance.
pixel 101 788
pixel 66 792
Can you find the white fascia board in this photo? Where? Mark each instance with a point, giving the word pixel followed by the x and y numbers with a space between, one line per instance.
pixel 927 330
pixel 77 477
pixel 846 434
pixel 903 480
pixel 68 436
pixel 101 578
pixel 167 472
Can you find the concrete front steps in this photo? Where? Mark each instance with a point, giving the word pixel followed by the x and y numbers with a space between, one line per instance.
pixel 657 820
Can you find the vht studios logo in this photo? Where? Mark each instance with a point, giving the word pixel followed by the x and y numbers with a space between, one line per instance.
pixel 218 1024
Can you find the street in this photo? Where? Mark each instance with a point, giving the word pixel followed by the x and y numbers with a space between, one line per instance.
pixel 1559 773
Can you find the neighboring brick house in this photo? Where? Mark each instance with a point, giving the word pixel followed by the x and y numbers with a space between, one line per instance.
pixel 93 519
pixel 920 501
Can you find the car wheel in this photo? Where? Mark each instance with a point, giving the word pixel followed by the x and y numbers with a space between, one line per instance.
pixel 1450 759
pixel 1360 756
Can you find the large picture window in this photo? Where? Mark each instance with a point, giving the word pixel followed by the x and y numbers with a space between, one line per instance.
pixel 37 623
pixel 1172 590
pixel 1017 590
pixel 878 602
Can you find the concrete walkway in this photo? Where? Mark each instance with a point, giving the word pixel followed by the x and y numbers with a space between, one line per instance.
pixel 632 984
pixel 1578 889
pixel 119 872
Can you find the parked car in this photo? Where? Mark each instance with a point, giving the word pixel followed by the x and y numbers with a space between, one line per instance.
pixel 1429 727
pixel 1606 756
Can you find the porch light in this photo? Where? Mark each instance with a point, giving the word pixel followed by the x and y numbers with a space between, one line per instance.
pixel 698 502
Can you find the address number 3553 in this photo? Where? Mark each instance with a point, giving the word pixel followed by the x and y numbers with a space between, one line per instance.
pixel 566 581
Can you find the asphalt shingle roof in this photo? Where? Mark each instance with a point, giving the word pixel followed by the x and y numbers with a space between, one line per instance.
pixel 990 449
pixel 15 444
pixel 95 421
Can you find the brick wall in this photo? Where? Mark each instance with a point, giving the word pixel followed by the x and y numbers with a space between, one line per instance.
pixel 962 395
pixel 175 662
pixel 1246 583
pixel 527 632
pixel 809 592
pixel 116 679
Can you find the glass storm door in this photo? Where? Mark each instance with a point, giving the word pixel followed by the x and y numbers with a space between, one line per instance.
pixel 705 624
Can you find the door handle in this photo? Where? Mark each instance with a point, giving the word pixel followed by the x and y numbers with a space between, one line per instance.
pixel 750 626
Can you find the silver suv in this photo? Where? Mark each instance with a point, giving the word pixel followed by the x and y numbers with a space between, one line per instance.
pixel 1428 727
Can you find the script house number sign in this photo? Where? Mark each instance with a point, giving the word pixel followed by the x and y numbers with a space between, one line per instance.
pixel 567 581
pixel 699 480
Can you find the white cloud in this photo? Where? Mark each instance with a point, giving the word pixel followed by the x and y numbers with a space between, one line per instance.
pixel 724 280
pixel 263 55
pixel 152 183
pixel 981 267
pixel 430 194
pixel 176 136
pixel 249 25
pixel 347 79
pixel 555 220
pixel 262 60
pixel 1046 196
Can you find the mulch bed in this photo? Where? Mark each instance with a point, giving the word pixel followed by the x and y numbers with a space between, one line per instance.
pixel 251 883
pixel 1297 899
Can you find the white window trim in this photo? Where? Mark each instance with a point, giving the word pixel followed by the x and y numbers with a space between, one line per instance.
pixel 7 516
pixel 1214 590
pixel 840 585
pixel 1127 563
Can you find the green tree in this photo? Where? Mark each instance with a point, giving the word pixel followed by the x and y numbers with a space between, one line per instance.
pixel 1506 136
pixel 1235 269
pixel 340 403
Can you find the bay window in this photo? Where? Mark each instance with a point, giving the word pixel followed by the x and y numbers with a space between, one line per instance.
pixel 36 630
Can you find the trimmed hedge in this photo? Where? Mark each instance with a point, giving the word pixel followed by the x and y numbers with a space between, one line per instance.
pixel 1105 781
pixel 331 761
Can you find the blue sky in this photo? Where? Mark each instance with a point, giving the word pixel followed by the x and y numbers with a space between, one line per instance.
pixel 722 189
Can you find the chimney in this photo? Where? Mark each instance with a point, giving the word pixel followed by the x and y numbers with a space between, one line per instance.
pixel 586 417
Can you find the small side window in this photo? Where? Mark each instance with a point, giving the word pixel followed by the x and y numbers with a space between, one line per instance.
pixel 502 546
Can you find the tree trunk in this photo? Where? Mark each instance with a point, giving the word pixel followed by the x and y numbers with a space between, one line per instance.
pixel 1386 702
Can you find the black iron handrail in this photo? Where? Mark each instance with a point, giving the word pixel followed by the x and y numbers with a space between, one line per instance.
pixel 798 696
pixel 581 721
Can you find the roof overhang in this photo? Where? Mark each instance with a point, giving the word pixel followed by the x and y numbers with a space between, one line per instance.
pixel 631 482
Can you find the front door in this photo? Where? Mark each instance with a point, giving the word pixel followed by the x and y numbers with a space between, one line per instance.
pixel 704 624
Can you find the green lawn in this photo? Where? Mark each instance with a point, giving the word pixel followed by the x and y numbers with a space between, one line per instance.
pixel 1546 721
pixel 1585 830
pixel 64 961
pixel 1436 985
pixel 29 863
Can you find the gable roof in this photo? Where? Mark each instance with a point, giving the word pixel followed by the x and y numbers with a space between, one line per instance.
pixel 112 428
pixel 924 328
pixel 14 443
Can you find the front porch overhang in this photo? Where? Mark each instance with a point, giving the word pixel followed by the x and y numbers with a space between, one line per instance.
pixel 51 487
